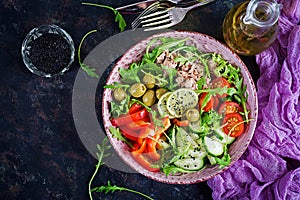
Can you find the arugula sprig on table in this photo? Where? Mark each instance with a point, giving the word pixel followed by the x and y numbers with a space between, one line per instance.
pixel 119 18
pixel 122 24
pixel 107 188
pixel 90 71
pixel 113 188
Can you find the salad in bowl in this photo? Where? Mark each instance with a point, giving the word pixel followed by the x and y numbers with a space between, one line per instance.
pixel 176 110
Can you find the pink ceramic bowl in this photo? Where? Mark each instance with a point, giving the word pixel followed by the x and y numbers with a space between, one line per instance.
pixel 206 44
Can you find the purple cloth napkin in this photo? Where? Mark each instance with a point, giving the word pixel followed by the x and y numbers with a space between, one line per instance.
pixel 270 168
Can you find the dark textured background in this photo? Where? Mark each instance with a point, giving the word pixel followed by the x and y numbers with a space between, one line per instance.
pixel 41 155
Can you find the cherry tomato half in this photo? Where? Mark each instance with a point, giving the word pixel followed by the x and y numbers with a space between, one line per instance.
pixel 234 124
pixel 209 104
pixel 220 82
pixel 229 107
pixel 216 102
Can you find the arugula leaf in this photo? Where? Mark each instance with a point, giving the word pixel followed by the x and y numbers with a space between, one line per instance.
pixel 102 149
pixel 172 75
pixel 171 169
pixel 225 160
pixel 118 108
pixel 153 41
pixel 113 188
pixel 117 85
pixel 130 75
pixel 116 133
pixel 119 18
pixel 107 188
pixel 169 43
pixel 90 71
pixel 211 118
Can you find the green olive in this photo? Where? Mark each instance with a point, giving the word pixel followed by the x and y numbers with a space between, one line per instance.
pixel 192 115
pixel 119 94
pixel 149 98
pixel 137 90
pixel 149 81
pixel 161 91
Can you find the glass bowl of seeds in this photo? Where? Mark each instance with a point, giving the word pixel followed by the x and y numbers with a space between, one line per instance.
pixel 48 50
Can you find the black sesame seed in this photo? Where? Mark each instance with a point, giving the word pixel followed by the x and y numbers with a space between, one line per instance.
pixel 50 53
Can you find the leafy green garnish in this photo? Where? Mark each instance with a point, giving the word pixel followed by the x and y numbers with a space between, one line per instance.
pixel 116 133
pixel 119 108
pixel 171 169
pixel 100 155
pixel 117 85
pixel 107 188
pixel 225 160
pixel 130 75
pixel 172 75
pixel 119 18
pixel 90 71
pixel 113 188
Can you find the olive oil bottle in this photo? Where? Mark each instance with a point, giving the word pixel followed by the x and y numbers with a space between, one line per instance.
pixel 251 26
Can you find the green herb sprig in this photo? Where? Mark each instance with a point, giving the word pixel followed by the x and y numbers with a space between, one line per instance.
pixel 119 18
pixel 107 188
pixel 113 188
pixel 116 133
pixel 102 149
pixel 90 71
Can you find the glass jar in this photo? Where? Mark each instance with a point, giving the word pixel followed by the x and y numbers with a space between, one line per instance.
pixel 48 50
pixel 251 26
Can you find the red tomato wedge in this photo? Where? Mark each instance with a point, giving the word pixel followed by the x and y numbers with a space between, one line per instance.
pixel 234 125
pixel 220 82
pixel 216 102
pixel 229 107
pixel 209 104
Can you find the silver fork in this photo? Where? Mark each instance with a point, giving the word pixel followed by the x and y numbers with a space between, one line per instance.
pixel 160 4
pixel 167 17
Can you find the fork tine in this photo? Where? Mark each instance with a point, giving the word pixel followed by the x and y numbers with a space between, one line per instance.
pixel 159 27
pixel 151 8
pixel 155 18
pixel 157 23
pixel 155 14
pixel 167 15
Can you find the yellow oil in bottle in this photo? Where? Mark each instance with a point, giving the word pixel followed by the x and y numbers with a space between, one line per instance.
pixel 253 37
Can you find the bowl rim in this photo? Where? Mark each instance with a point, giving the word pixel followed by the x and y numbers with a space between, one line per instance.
pixel 41 29
pixel 250 129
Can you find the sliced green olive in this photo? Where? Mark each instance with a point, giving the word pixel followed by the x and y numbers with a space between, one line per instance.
pixel 149 81
pixel 119 94
pixel 149 98
pixel 159 92
pixel 137 90
pixel 192 115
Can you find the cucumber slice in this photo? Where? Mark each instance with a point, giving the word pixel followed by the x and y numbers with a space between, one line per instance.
pixel 222 137
pixel 212 160
pixel 213 147
pixel 190 163
pixel 180 101
pixel 196 127
pixel 162 105
pixel 183 138
pixel 196 153
pixel 164 144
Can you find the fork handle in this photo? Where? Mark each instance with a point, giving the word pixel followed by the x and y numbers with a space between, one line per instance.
pixel 198 4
